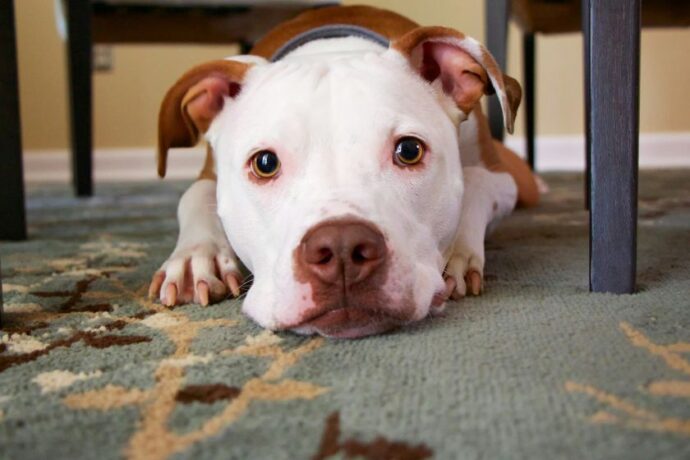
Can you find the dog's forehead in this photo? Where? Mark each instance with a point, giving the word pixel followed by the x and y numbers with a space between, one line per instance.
pixel 348 99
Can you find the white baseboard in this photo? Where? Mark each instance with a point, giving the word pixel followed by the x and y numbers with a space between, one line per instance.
pixel 554 153
pixel 113 164
pixel 566 153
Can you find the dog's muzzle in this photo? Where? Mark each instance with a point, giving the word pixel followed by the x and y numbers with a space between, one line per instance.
pixel 346 263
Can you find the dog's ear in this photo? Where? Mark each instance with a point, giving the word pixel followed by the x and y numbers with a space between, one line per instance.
pixel 465 68
pixel 192 103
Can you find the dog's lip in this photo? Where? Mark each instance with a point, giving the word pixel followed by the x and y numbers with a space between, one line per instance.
pixel 348 323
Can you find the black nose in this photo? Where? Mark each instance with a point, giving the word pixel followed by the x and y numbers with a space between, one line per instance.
pixel 348 252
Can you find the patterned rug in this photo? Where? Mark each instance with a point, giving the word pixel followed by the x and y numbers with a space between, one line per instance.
pixel 535 368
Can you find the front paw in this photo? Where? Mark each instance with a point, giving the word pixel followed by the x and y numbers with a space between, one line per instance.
pixel 200 273
pixel 467 269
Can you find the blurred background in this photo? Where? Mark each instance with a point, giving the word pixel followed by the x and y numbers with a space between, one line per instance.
pixel 127 93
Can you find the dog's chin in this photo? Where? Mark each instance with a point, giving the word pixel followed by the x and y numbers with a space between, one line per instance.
pixel 348 323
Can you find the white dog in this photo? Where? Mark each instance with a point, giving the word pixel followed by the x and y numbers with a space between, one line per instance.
pixel 356 177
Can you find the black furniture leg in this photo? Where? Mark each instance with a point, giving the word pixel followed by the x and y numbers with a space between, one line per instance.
pixel 614 72
pixel 528 55
pixel 497 12
pixel 12 214
pixel 1 290
pixel 586 66
pixel 79 69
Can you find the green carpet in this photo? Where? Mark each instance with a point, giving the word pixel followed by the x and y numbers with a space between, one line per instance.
pixel 535 368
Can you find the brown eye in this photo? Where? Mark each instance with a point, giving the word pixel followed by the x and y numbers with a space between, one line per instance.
pixel 265 164
pixel 409 151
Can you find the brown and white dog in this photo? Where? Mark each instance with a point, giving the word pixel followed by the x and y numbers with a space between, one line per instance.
pixel 350 169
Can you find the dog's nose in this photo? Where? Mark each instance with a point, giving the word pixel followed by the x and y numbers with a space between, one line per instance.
pixel 347 252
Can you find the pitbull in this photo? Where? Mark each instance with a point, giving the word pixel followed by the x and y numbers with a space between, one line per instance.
pixel 349 168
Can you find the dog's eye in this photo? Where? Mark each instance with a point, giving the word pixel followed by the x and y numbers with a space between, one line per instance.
pixel 409 151
pixel 265 164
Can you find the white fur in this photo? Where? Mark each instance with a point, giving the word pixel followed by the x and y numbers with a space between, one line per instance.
pixel 332 111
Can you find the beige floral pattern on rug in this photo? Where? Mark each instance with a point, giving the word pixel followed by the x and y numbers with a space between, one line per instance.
pixel 94 285
pixel 153 439
pixel 620 411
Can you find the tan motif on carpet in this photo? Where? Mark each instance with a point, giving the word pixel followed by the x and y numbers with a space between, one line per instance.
pixel 153 438
pixel 626 413
pixel 88 297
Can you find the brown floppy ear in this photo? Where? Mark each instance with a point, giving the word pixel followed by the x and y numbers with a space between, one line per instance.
pixel 466 69
pixel 192 103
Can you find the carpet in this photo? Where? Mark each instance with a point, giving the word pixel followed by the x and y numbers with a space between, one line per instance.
pixel 537 367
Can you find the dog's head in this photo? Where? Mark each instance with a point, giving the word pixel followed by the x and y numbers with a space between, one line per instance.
pixel 339 178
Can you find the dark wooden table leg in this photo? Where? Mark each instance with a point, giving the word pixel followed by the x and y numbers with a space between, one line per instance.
pixel 1 301
pixel 614 66
pixel 12 214
pixel 586 67
pixel 528 55
pixel 79 69
pixel 497 13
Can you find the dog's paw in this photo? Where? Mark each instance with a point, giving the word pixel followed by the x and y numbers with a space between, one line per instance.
pixel 201 273
pixel 467 268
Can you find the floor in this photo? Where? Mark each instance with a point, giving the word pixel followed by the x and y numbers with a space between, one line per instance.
pixel 537 367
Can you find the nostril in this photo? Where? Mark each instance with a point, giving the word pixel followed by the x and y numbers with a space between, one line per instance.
pixel 359 254
pixel 325 256
pixel 364 252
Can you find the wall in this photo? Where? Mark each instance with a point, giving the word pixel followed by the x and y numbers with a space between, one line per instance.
pixel 126 100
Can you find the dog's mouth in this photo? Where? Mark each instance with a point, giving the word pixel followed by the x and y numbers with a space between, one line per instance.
pixel 348 323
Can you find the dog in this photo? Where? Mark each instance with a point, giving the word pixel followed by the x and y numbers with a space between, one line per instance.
pixel 349 168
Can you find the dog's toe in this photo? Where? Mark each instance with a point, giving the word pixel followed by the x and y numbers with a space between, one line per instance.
pixel 467 271
pixel 203 273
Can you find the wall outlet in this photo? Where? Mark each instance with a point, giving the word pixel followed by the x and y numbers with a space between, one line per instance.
pixel 102 58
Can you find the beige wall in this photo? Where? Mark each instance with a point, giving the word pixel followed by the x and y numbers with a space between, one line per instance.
pixel 126 100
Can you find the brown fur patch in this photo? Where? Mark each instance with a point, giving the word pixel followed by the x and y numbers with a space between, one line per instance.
pixel 207 394
pixel 3 347
pixel 208 171
pixel 383 22
pixel 379 448
pixel 175 127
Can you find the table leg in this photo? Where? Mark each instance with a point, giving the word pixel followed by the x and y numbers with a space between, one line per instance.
pixel 613 124
pixel 529 64
pixel 79 70
pixel 497 13
pixel 12 214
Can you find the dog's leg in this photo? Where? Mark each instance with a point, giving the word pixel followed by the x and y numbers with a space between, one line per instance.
pixel 203 266
pixel 488 197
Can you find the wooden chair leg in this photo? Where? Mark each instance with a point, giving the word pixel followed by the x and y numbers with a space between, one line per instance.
pixel 528 55
pixel 12 213
pixel 497 13
pixel 79 69
pixel 614 72
pixel 587 70
pixel 1 302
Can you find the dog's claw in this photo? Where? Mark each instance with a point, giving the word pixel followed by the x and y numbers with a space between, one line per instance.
pixel 450 287
pixel 156 283
pixel 473 280
pixel 467 271
pixel 171 295
pixel 202 290
pixel 233 281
